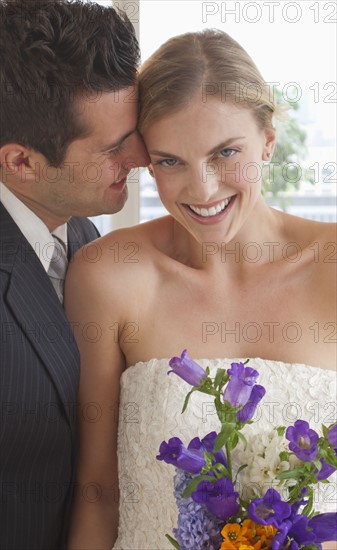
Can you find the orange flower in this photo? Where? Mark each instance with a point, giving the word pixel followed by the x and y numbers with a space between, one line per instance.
pixel 248 536
pixel 233 535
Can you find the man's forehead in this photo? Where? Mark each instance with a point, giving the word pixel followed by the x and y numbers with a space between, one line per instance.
pixel 108 117
pixel 89 103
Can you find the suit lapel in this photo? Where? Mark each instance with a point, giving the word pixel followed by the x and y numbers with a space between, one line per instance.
pixel 75 239
pixel 36 308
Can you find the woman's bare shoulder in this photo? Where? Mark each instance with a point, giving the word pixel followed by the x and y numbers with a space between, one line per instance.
pixel 120 259
pixel 307 232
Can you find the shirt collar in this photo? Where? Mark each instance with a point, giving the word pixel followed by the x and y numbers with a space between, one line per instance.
pixel 32 227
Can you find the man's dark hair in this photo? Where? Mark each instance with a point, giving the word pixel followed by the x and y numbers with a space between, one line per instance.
pixel 53 52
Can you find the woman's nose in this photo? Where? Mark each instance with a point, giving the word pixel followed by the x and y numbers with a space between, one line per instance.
pixel 204 182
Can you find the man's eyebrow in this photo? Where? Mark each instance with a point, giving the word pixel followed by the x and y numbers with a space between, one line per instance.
pixel 116 144
pixel 218 147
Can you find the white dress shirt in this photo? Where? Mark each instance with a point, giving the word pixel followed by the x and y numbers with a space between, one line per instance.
pixel 33 228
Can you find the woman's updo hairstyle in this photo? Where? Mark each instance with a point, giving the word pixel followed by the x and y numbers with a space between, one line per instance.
pixel 209 63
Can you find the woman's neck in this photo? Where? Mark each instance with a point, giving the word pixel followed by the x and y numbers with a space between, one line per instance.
pixel 259 241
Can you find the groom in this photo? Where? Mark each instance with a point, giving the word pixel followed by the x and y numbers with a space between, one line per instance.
pixel 68 139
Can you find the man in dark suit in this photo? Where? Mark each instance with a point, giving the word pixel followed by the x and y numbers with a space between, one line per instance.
pixel 68 139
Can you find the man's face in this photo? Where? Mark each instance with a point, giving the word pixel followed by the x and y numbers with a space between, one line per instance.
pixel 92 177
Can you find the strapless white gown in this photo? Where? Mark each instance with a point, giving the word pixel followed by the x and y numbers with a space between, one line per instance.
pixel 150 412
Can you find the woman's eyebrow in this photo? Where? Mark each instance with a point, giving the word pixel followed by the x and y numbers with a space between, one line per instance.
pixel 218 147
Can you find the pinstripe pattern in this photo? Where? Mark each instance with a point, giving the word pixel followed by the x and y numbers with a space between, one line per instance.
pixel 38 386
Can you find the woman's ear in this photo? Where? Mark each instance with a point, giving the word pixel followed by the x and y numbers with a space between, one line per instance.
pixel 270 142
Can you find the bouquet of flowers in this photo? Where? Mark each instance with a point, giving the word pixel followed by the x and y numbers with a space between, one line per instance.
pixel 214 511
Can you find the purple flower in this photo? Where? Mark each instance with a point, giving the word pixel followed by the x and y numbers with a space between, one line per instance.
pixel 304 531
pixel 303 441
pixel 220 497
pixel 326 471
pixel 301 532
pixel 174 452
pixel 332 436
pixel 239 387
pixel 281 535
pixel 187 369
pixel 248 411
pixel 197 528
pixel 269 510
pixel 207 444
pixel 324 526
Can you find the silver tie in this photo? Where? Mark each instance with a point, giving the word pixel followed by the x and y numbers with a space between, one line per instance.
pixel 58 267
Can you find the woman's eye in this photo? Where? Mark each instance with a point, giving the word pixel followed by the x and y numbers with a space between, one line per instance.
pixel 167 162
pixel 227 153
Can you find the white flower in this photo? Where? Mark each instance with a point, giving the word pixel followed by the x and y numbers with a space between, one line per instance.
pixel 262 457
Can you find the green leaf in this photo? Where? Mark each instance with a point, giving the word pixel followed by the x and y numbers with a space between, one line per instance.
pixel 172 541
pixel 209 461
pixel 243 439
pixel 281 430
pixel 331 458
pixel 224 436
pixel 307 509
pixel 187 398
pixel 284 456
pixel 290 474
pixel 317 463
pixel 220 470
pixel 325 430
pixel 221 374
pixel 234 439
pixel 242 467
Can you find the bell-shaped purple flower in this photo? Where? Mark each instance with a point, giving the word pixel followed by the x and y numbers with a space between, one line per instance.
pixel 187 369
pixel 303 441
pixel 301 532
pixel 247 412
pixel 220 498
pixel 332 436
pixel 281 535
pixel 324 526
pixel 174 452
pixel 207 444
pixel 269 510
pixel 239 387
pixel 326 471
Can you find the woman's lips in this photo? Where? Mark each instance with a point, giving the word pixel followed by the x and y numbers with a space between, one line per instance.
pixel 214 213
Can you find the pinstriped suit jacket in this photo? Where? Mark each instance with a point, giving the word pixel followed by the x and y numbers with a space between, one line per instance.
pixel 38 387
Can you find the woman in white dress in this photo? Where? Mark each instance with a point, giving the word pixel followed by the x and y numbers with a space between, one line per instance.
pixel 223 275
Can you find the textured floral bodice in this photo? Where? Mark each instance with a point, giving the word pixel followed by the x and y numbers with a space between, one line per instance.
pixel 150 411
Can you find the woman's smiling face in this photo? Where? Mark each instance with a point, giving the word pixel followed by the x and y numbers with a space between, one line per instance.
pixel 207 161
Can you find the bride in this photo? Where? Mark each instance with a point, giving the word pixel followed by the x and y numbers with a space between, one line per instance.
pixel 223 275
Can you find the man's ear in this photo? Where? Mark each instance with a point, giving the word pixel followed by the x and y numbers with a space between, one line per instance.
pixel 19 161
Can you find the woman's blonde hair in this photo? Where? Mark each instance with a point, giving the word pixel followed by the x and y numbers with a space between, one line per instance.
pixel 210 63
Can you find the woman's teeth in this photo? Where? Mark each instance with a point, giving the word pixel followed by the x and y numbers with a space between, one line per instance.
pixel 213 211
